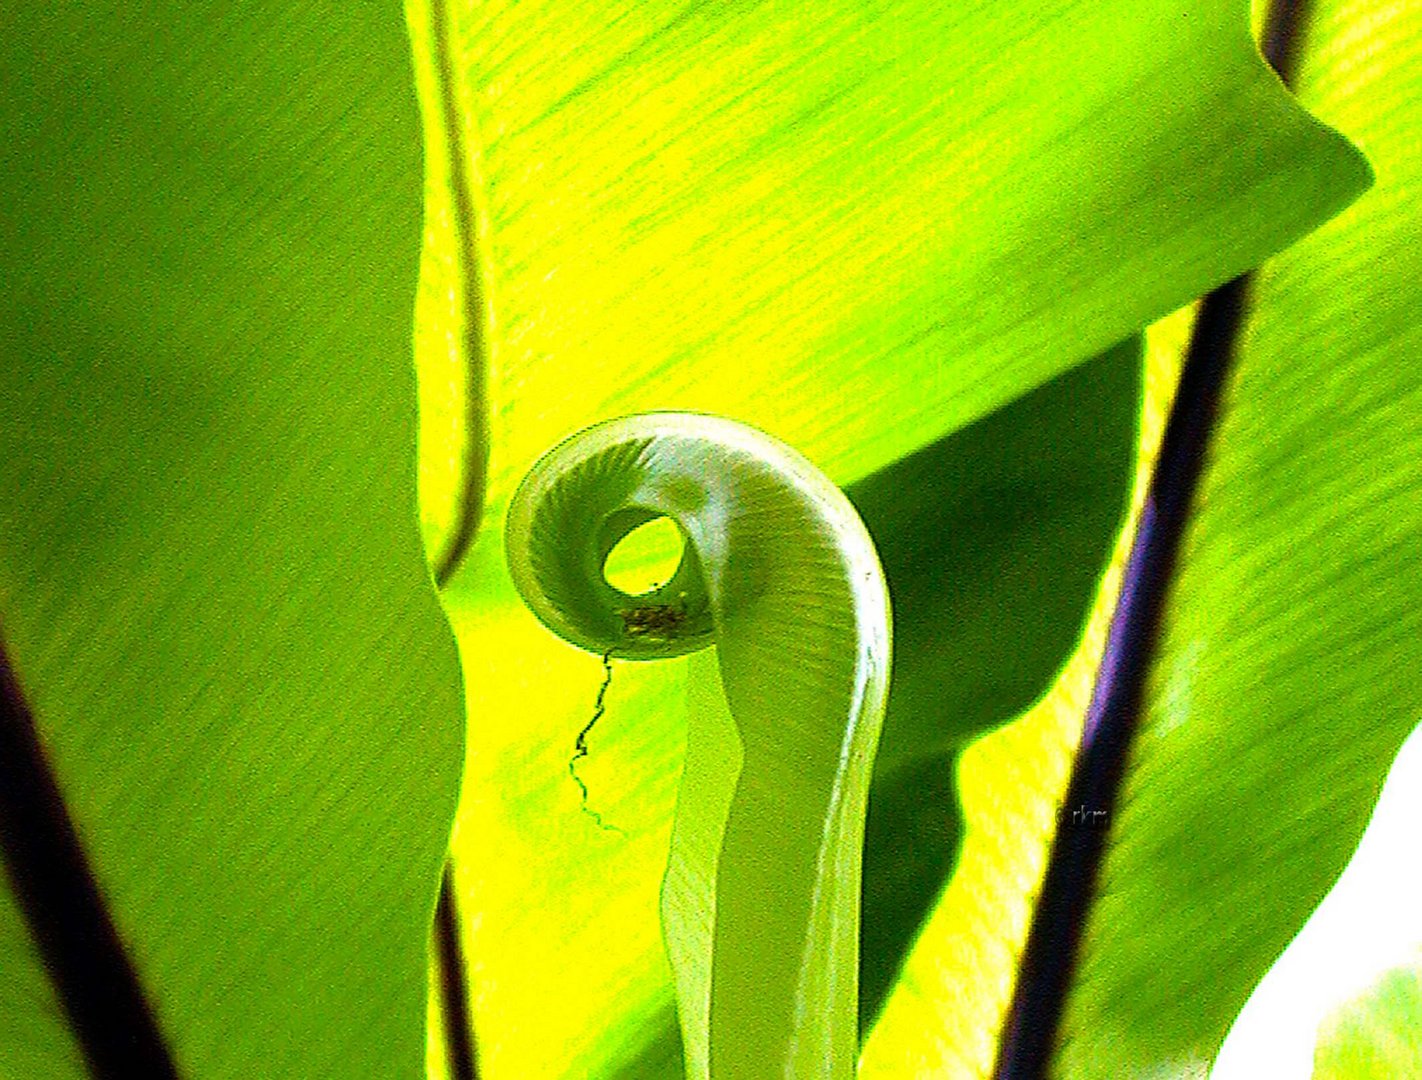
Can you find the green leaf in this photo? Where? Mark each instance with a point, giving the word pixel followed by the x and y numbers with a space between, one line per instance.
pixel 1379 1035
pixel 760 905
pixel 995 534
pixel 1339 993
pixel 34 1035
pixel 1286 677
pixel 858 234
pixel 211 581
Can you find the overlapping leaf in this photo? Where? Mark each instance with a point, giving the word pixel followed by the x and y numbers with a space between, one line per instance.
pixel 211 582
pixel 1287 677
pixel 859 233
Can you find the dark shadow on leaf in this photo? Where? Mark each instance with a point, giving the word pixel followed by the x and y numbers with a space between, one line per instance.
pixel 660 1057
pixel 992 540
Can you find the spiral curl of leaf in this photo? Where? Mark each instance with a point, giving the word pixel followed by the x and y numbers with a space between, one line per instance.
pixel 760 903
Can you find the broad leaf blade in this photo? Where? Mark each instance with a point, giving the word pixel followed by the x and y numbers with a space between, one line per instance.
pixel 1286 679
pixel 995 534
pixel 734 210
pixel 1343 991
pixel 672 205
pixel 211 582
pixel 760 905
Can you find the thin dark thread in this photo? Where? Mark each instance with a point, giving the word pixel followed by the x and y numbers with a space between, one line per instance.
pixel 580 745
pixel 49 873
pixel 454 991
pixel 470 510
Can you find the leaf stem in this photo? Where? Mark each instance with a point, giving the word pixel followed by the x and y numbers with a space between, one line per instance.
pixel 460 1045
pixel 454 990
pixel 474 343
pixel 1069 886
pixel 50 875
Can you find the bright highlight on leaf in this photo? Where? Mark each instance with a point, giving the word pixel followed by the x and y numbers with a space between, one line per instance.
pixel 1377 1036
pixel 858 231
pixel 212 588
pixel 760 904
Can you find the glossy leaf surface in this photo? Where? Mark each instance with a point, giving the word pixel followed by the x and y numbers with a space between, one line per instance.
pixel 760 905
pixel 1286 680
pixel 668 213
pixel 749 211
pixel 212 586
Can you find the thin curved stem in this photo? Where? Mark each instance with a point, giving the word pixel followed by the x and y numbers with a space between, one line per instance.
pixel 474 344
pixel 580 744
pixel 454 990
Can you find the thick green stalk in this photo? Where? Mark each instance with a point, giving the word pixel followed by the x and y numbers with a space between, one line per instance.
pixel 760 903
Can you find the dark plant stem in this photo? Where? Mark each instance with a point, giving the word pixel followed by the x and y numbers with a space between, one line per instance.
pixel 1114 715
pixel 474 345
pixel 1069 886
pixel 449 955
pixel 1282 38
pixel 454 991
pixel 96 983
